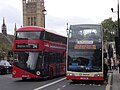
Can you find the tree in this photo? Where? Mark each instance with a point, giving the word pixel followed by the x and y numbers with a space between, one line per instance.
pixel 110 29
pixel 4 48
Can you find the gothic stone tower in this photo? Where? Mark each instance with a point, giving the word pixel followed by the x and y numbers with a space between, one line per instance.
pixel 33 13
pixel 4 28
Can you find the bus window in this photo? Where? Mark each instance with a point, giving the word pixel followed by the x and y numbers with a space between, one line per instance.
pixel 28 35
pixel 32 60
pixel 39 61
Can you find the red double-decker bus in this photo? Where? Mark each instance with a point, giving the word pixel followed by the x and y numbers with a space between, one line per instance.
pixel 40 53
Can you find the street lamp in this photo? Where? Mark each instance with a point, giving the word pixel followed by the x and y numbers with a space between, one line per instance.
pixel 44 13
pixel 67 30
pixel 117 39
pixel 118 21
pixel 118 18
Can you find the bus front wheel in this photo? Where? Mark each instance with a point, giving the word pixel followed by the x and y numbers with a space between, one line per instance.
pixel 24 78
pixel 74 81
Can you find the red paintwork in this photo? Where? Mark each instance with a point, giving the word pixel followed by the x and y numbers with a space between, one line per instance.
pixel 31 28
pixel 48 44
pixel 44 45
pixel 19 73
pixel 62 68
pixel 39 42
pixel 35 28
pixel 85 78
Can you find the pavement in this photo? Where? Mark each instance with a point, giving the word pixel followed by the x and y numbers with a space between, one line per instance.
pixel 115 80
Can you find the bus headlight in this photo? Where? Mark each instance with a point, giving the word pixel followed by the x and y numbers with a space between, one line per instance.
pixel 38 73
pixel 98 75
pixel 70 74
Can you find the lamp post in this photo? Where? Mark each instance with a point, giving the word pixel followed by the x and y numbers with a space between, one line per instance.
pixel 118 19
pixel 67 30
pixel 44 13
pixel 117 40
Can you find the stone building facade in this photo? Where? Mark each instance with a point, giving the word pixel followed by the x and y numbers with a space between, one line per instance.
pixel 33 13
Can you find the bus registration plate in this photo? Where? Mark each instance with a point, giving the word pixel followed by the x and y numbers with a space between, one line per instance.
pixel 25 75
pixel 84 78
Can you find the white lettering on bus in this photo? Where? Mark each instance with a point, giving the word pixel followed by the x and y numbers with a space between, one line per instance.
pixel 85 42
pixel 58 47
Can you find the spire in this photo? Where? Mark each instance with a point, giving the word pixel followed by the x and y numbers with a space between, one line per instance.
pixel 15 29
pixel 4 29
pixel 3 21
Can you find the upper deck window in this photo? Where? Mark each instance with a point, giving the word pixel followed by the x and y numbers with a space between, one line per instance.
pixel 29 35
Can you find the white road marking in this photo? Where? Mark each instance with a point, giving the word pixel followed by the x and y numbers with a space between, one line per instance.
pixel 58 89
pixel 7 75
pixel 64 86
pixel 39 88
pixel 109 81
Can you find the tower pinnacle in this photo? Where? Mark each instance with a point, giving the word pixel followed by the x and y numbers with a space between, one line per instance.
pixel 4 29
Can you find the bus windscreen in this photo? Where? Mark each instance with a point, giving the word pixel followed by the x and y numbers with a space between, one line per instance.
pixel 85 49
pixel 28 35
pixel 28 60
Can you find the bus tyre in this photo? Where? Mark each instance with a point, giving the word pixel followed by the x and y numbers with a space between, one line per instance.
pixel 7 71
pixel 74 81
pixel 101 82
pixel 24 78
pixel 50 74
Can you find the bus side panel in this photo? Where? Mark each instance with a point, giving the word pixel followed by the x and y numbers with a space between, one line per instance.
pixel 57 69
pixel 85 78
pixel 62 69
pixel 52 68
pixel 19 73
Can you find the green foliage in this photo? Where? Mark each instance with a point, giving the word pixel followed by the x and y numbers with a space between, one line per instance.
pixel 4 48
pixel 110 29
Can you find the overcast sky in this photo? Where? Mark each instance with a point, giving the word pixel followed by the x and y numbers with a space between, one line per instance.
pixel 59 12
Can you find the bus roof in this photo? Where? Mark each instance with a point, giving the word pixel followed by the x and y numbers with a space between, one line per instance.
pixel 36 28
pixel 84 26
pixel 31 28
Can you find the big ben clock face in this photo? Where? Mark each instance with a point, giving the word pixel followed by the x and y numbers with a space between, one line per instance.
pixel 31 7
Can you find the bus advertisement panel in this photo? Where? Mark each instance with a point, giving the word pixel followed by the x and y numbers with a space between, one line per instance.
pixel 84 59
pixel 39 53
